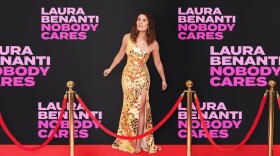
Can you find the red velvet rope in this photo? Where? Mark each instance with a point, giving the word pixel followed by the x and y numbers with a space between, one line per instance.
pixel 131 137
pixel 10 135
pixel 256 121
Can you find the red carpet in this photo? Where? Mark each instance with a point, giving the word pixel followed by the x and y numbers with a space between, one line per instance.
pixel 167 150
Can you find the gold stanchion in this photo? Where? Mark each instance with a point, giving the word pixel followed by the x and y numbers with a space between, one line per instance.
pixel 189 85
pixel 70 85
pixel 272 93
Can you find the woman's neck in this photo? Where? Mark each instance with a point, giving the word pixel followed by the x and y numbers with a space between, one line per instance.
pixel 142 35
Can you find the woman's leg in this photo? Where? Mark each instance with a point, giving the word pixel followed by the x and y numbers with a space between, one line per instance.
pixel 141 121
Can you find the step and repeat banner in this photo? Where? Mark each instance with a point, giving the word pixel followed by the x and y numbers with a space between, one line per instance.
pixel 229 49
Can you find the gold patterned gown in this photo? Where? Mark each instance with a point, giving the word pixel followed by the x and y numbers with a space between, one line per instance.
pixel 135 80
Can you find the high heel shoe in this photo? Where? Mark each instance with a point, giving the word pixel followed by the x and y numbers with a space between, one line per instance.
pixel 138 151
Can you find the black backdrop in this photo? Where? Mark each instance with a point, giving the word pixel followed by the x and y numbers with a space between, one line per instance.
pixel 84 61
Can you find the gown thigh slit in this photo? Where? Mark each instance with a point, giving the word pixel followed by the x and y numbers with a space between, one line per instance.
pixel 141 123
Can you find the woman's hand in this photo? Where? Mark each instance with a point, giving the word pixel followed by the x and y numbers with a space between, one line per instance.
pixel 164 85
pixel 107 72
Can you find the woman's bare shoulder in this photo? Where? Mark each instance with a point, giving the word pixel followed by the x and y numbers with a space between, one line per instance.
pixel 126 37
pixel 155 45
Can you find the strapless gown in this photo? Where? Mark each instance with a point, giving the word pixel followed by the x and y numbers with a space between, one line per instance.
pixel 135 79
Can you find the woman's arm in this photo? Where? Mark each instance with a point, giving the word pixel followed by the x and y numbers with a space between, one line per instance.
pixel 159 65
pixel 118 57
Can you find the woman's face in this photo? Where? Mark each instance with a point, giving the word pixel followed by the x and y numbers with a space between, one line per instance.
pixel 142 23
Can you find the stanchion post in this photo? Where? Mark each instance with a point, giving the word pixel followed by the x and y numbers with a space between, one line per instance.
pixel 272 93
pixel 189 85
pixel 70 85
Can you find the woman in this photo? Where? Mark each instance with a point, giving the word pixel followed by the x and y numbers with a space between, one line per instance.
pixel 136 112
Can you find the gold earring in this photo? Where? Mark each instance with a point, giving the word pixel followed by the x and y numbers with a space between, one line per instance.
pixel 148 31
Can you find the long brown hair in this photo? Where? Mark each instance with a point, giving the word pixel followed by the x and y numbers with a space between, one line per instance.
pixel 150 33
